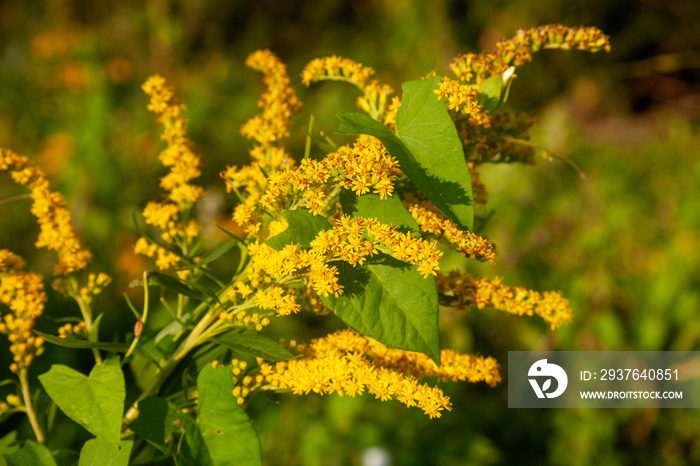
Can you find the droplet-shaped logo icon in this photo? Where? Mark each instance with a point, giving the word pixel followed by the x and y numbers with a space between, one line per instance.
pixel 541 369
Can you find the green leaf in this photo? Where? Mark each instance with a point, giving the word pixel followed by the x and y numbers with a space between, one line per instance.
pixel 303 228
pixel 95 402
pixel 490 93
pixel 230 235
pixel 31 453
pixel 224 426
pixel 192 450
pixel 447 189
pixel 166 281
pixel 426 128
pixel 388 300
pixel 156 422
pixel 84 344
pixel 255 344
pixel 104 453
pixel 198 292
pixel 8 445
pixel 218 252
pixel 389 211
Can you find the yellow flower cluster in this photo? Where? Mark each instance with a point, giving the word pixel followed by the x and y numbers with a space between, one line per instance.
pixel 170 216
pixel 391 112
pixel 463 99
pixel 473 68
pixel 94 286
pixel 71 331
pixel 363 167
pixel 12 403
pixel 269 265
pixel 312 302
pixel 165 259
pixel 244 317
pixel 49 207
pixel 23 293
pixel 454 366
pixel 481 292
pixel 337 68
pixel 278 299
pixel 243 384
pixel 346 241
pixel 467 243
pixel 350 240
pixel 279 102
pixel 178 153
pixel 336 364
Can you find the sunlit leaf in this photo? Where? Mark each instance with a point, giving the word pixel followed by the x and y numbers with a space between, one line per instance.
pixel 96 402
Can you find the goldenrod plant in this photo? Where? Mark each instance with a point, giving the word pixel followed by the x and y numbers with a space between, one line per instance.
pixel 355 230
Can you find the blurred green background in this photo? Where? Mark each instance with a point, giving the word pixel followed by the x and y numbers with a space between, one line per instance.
pixel 622 244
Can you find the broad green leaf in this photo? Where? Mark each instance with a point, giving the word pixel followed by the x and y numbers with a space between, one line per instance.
pixel 224 426
pixel 490 93
pixel 65 457
pixel 388 300
pixel 426 128
pixel 156 422
pixel 84 344
pixel 303 228
pixel 8 445
pixel 451 198
pixel 192 451
pixel 32 453
pixel 389 211
pixel 99 451
pixel 255 344
pixel 95 402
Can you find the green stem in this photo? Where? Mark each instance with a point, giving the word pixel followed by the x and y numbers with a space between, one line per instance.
pixel 28 405
pixel 185 347
pixel 143 317
pixel 15 198
pixel 87 317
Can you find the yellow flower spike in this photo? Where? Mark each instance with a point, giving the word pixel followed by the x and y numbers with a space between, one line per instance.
pixel 279 104
pixel 348 364
pixel 184 167
pixel 56 232
pixel 336 68
pixel 473 68
pixel 23 294
pixel 467 243
pixel 463 99
pixel 468 291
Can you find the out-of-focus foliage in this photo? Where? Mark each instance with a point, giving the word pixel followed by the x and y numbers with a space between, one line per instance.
pixel 622 244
